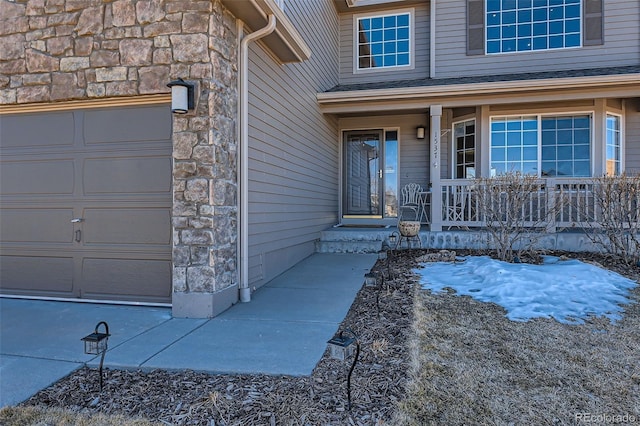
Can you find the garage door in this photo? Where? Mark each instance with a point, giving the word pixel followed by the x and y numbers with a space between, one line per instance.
pixel 85 207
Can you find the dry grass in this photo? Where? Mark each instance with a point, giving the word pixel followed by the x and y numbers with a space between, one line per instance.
pixel 471 365
pixel 41 416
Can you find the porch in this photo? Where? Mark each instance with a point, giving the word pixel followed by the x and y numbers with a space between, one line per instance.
pixel 556 212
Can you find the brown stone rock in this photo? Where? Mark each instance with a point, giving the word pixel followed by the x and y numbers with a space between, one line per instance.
pixel 12 47
pixel 136 52
pixel 57 46
pixel 195 23
pixel 124 13
pixel 17 66
pixel 40 62
pixel 190 48
pixel 153 79
pixel 90 21
pixel 104 58
pixel 149 11
pixel 29 94
pixel 65 86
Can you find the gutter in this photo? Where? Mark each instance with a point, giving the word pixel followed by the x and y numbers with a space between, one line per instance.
pixel 245 291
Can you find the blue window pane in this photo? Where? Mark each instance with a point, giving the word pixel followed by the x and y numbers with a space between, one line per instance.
pixel 548 137
pixel 390 34
pixel 572 26
pixel 389 21
pixel 498 139
pixel 581 152
pixel 389 60
pixel 497 154
pixel 498 125
pixel 581 122
pixel 556 42
pixel 403 59
pixel 548 168
pixel 403 20
pixel 508 45
pixel 556 12
pixel 493 47
pixel 548 123
pixel 514 154
pixel 509 31
pixel 376 35
pixel 582 136
pixel 499 168
pixel 493 33
pixel 556 27
pixel 539 43
pixel 565 152
pixel 548 153
pixel 530 153
pixel 555 2
pixel 403 33
pixel 524 16
pixel 390 47
pixel 540 14
pixel 565 168
pixel 530 138
pixel 581 168
pixel 376 61
pixel 376 48
pixel 493 5
pixel 365 24
pixel 376 23
pixel 572 40
pixel 565 137
pixel 508 18
pixel 572 11
pixel 493 19
pixel 524 44
pixel 530 167
pixel 524 4
pixel 508 4
pixel 514 125
pixel 540 29
pixel 403 46
pixel 564 123
pixel 514 139
pixel 530 124
pixel 524 30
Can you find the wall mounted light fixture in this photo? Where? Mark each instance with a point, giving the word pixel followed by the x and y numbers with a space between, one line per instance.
pixel 420 132
pixel 182 96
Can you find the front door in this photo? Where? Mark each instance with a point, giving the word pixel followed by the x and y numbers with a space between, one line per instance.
pixel 370 174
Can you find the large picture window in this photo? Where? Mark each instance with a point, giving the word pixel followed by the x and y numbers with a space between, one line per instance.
pixel 526 25
pixel 383 41
pixel 542 145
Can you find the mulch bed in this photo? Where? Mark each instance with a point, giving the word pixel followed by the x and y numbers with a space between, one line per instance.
pixel 383 380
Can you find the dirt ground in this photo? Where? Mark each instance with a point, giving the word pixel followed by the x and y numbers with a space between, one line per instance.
pixel 425 359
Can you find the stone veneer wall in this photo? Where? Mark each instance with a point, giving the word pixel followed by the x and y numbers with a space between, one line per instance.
pixel 61 50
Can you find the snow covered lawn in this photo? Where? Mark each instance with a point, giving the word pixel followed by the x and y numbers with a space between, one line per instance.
pixel 567 290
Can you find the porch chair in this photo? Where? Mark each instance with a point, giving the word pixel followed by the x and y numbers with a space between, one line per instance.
pixel 410 227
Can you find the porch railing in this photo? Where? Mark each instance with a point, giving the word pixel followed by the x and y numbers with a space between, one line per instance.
pixel 551 204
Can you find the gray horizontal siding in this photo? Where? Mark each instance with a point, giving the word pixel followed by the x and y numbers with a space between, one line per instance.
pixel 421 56
pixel 293 155
pixel 632 136
pixel 621 33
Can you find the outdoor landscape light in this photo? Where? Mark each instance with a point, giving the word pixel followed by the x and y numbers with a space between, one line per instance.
pixel 370 279
pixel 420 132
pixel 96 343
pixel 182 96
pixel 382 254
pixel 341 347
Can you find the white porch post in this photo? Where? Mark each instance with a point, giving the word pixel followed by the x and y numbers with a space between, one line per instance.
pixel 434 168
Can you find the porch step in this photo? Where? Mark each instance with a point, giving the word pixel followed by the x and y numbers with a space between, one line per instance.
pixel 351 240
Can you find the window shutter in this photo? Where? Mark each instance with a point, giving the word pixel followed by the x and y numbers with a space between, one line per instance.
pixel 593 23
pixel 475 27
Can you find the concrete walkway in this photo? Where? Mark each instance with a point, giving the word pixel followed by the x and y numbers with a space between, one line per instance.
pixel 282 331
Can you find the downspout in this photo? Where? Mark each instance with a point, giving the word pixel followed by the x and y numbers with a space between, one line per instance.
pixel 245 291
pixel 432 40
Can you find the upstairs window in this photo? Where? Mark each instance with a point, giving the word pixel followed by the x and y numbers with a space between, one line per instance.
pixel 526 25
pixel 383 41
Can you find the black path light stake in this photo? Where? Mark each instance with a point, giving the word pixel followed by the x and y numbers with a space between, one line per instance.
pixel 393 245
pixel 96 343
pixel 342 347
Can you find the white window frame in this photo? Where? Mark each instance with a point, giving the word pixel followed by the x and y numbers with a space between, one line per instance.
pixel 540 116
pixel 486 34
pixel 454 148
pixel 620 118
pixel 355 29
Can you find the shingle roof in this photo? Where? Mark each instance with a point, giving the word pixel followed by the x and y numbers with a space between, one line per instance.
pixel 424 82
